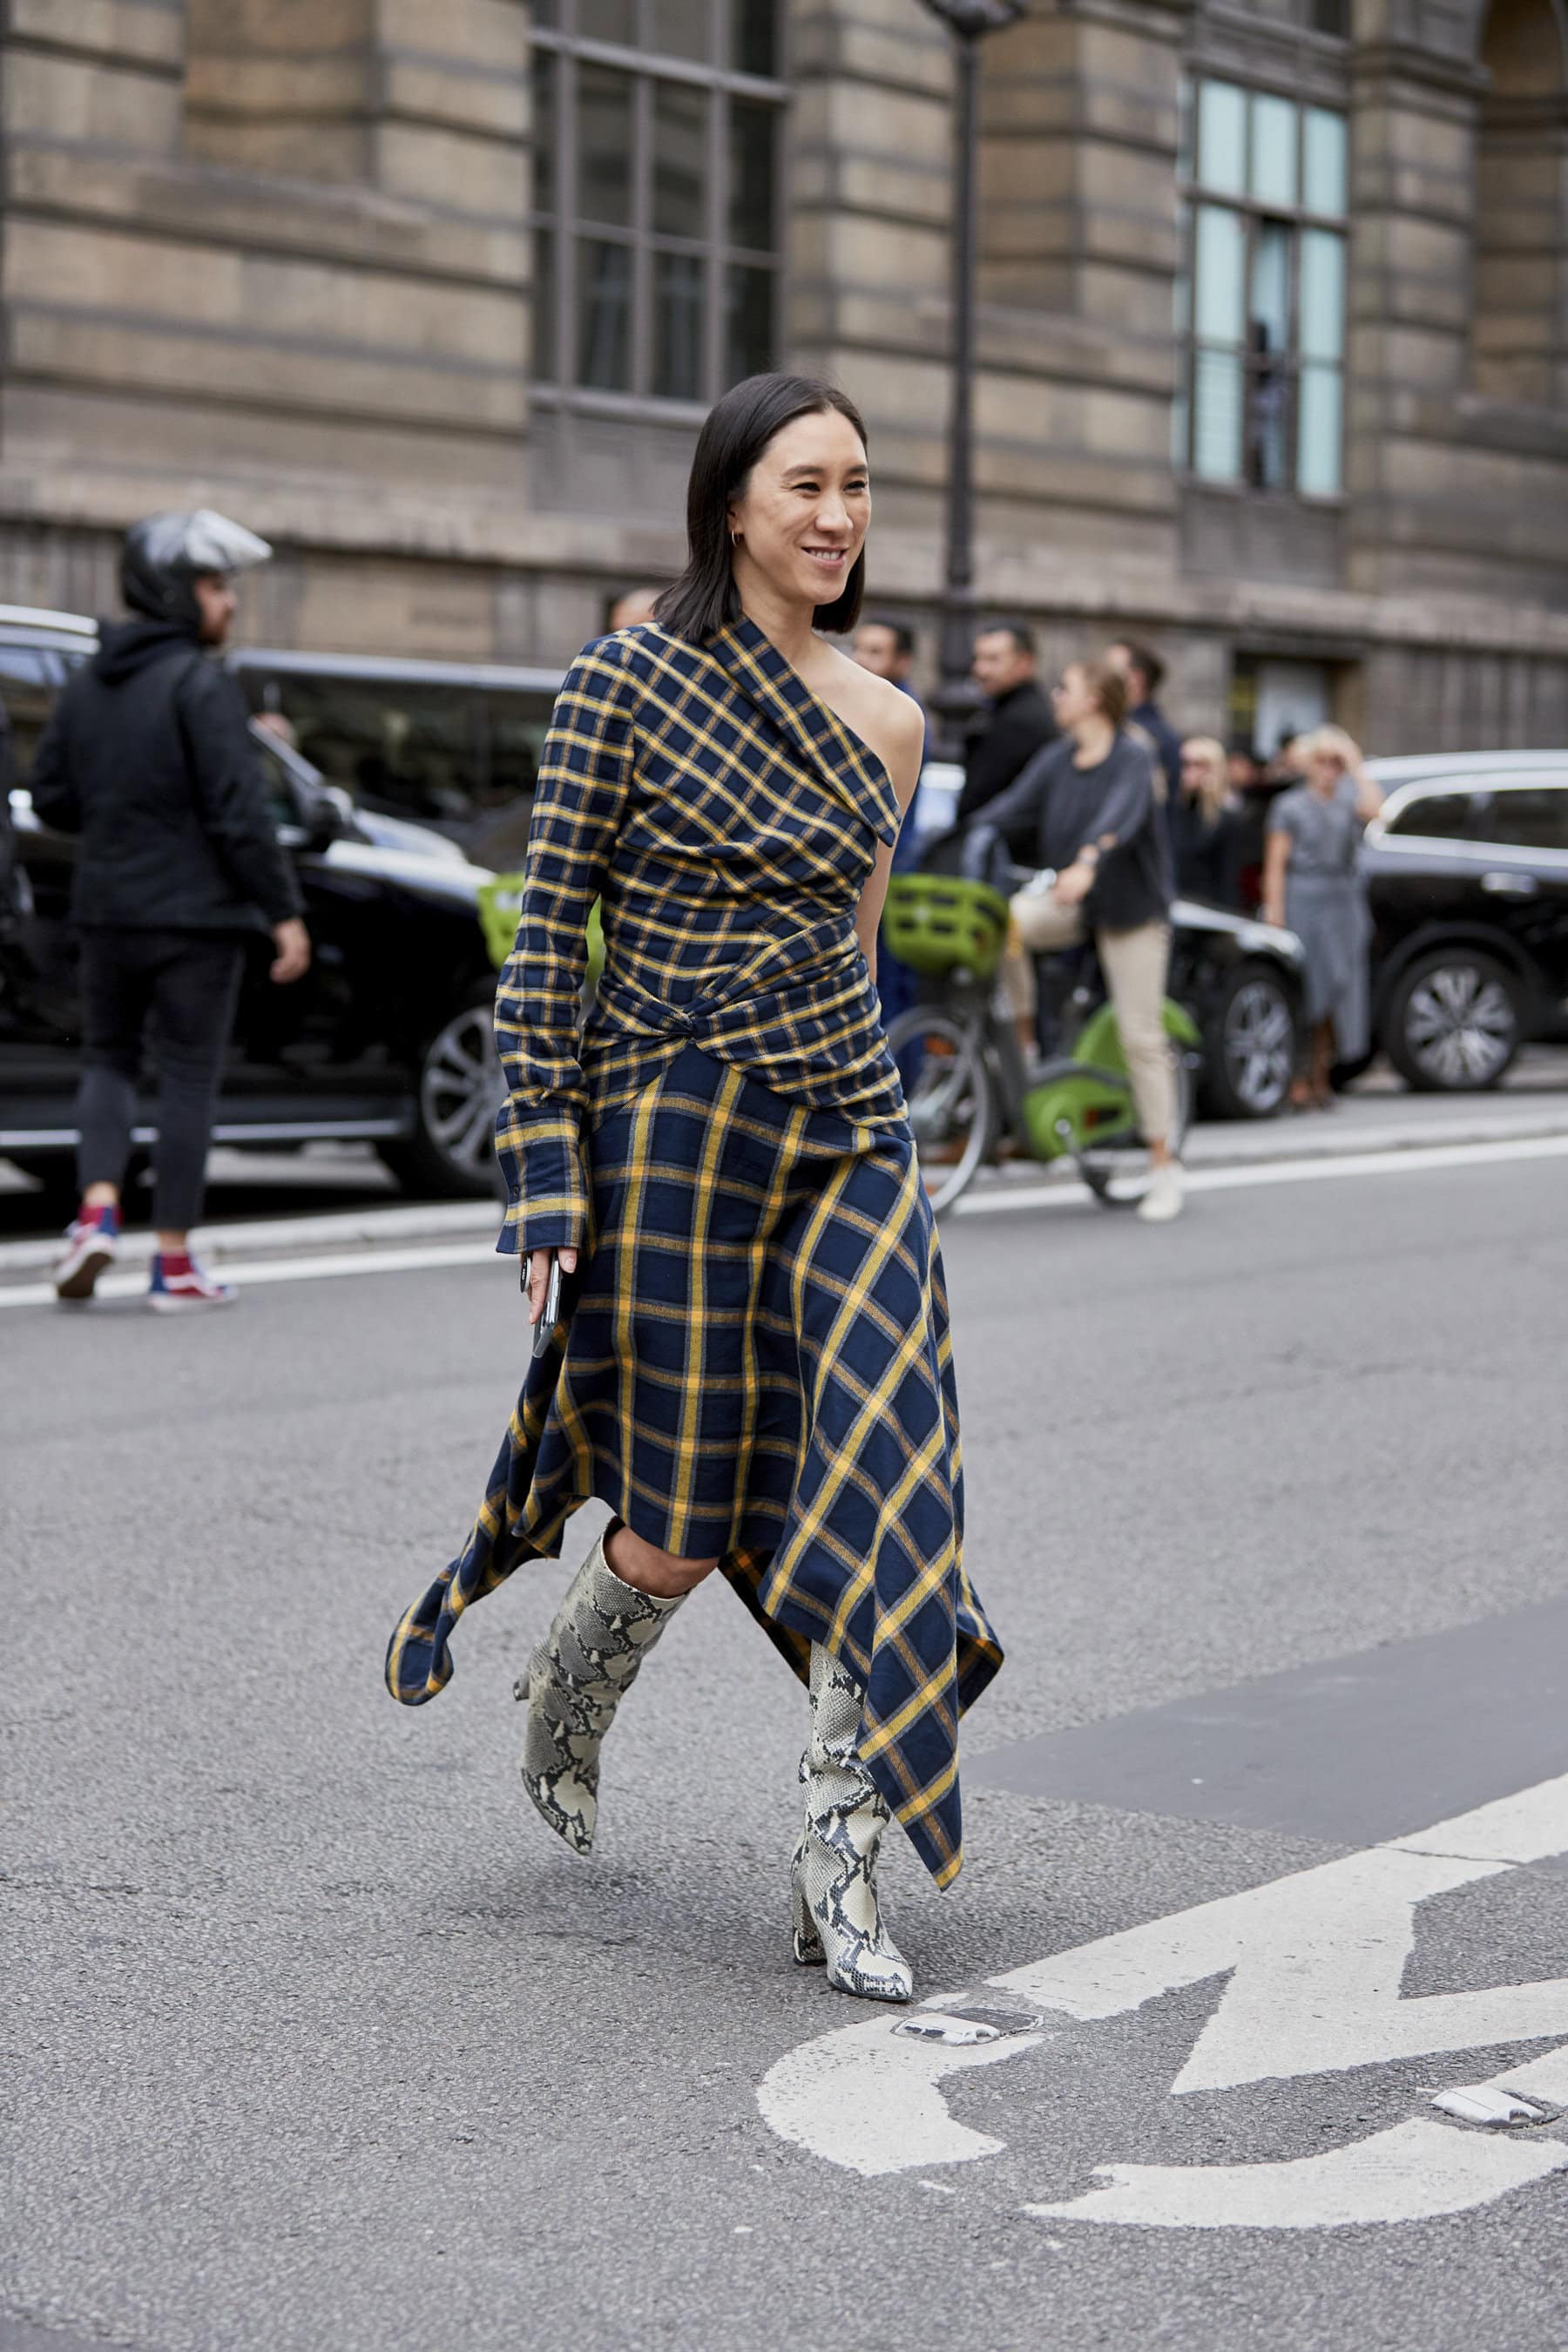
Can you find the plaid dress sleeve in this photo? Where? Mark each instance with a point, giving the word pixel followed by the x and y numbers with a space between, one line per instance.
pixel 582 784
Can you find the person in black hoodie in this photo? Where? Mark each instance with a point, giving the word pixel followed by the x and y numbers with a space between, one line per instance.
pixel 148 758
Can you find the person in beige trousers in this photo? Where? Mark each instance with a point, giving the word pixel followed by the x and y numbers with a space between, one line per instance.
pixel 1087 806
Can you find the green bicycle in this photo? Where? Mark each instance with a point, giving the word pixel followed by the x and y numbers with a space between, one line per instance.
pixel 969 1097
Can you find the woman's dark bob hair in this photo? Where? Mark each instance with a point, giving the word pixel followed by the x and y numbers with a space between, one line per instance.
pixel 704 599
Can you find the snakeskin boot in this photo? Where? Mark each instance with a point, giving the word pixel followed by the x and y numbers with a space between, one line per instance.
pixel 836 1917
pixel 575 1680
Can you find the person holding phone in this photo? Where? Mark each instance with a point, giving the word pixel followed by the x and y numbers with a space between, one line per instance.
pixel 749 1358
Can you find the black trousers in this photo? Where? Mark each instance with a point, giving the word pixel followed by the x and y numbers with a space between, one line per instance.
pixel 181 985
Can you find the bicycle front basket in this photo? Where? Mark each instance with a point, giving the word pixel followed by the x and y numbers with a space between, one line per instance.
pixel 937 923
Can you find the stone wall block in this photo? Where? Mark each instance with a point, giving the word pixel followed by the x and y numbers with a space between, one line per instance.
pixel 153 35
pixel 907 193
pixel 482 177
pixel 279 27
pixel 483 33
pixel 360 226
pixel 260 294
pixel 159 359
pixel 233 84
pixel 300 467
pixel 433 92
pixel 69 99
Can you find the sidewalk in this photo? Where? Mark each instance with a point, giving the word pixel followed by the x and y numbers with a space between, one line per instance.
pixel 1378 1116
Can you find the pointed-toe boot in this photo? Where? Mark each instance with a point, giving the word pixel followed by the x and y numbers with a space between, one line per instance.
pixel 837 1919
pixel 575 1680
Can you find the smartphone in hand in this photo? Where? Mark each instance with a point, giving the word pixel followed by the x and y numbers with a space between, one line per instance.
pixel 550 1313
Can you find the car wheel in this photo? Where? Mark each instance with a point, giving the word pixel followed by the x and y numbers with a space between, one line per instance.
pixel 1251 1045
pixel 1453 1023
pixel 458 1092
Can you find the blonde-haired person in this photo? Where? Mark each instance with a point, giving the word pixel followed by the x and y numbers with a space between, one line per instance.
pixel 1085 805
pixel 1312 883
pixel 1205 826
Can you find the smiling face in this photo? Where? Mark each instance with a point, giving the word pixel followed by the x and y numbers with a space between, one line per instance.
pixel 802 517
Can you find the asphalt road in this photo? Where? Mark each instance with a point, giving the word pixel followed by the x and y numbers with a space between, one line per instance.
pixel 314 2038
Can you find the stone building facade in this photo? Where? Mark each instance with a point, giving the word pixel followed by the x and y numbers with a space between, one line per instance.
pixel 1274 318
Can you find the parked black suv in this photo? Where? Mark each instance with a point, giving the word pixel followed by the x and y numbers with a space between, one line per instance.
pixel 1467 870
pixel 387 1038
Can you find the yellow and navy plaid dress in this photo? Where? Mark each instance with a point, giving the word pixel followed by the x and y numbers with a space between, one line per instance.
pixel 755 1360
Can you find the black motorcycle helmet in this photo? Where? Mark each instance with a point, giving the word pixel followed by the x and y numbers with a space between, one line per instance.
pixel 165 552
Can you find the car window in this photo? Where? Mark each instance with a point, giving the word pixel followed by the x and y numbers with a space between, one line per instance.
pixel 516 727
pixel 1526 816
pixel 407 750
pixel 453 756
pixel 30 678
pixel 1436 816
pixel 280 799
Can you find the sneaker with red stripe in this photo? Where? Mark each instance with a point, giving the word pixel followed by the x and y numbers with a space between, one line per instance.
pixel 90 1245
pixel 178 1283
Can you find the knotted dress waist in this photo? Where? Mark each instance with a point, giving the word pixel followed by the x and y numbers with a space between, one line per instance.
pixel 799 1013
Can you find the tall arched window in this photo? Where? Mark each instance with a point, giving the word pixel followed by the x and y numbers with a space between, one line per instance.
pixel 1520 348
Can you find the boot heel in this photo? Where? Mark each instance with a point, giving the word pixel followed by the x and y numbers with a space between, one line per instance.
pixel 805 1941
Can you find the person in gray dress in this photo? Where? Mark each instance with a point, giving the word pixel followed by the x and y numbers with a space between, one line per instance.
pixel 1312 883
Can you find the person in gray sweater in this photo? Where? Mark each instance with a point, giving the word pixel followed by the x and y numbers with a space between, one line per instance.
pixel 1086 806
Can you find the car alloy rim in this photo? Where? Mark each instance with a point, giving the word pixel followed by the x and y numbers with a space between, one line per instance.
pixel 460 1090
pixel 1460 1025
pixel 1258 1044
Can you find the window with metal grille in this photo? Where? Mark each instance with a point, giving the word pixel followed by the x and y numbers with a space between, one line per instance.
pixel 1261 298
pixel 656 195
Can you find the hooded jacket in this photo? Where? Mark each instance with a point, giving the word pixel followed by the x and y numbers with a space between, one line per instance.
pixel 148 757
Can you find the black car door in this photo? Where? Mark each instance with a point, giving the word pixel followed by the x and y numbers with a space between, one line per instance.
pixel 316 1043
pixel 38 1004
pixel 1524 877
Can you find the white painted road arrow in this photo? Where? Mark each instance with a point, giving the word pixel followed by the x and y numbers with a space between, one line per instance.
pixel 1313 1964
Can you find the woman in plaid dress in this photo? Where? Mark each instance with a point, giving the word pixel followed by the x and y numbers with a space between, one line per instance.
pixel 752 1367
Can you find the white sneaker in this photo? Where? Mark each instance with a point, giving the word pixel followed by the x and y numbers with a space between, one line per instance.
pixel 1164 1198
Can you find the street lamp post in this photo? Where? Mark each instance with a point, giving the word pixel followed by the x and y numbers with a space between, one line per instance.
pixel 969 21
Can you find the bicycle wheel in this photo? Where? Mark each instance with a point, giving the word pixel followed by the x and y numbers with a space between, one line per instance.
pixel 952 1101
pixel 1112 1163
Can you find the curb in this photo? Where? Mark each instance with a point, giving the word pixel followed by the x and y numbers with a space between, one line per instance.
pixel 1224 1144
pixel 334 1229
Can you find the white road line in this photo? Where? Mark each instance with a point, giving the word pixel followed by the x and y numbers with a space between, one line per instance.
pixel 1311 1967
pixel 1408 1162
pixel 322 1266
pixel 285 1269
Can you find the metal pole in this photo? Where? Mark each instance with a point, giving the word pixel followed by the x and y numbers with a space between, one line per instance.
pixel 955 699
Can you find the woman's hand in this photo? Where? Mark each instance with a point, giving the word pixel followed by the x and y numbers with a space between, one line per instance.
pixel 539 1276
pixel 1272 910
pixel 1074 883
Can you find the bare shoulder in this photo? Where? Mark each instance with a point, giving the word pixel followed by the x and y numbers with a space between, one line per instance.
pixel 880 713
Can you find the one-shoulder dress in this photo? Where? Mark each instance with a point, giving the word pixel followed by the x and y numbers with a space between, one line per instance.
pixel 755 1360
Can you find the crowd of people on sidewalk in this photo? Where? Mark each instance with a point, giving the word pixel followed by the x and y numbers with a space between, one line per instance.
pixel 147 758
pixel 1094 779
